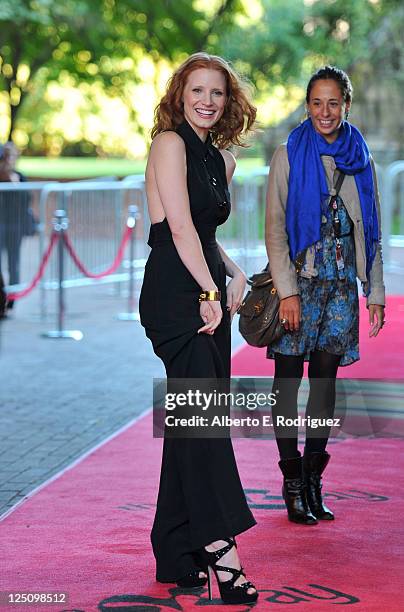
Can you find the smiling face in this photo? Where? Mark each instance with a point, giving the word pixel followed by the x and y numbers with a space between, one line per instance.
pixel 327 108
pixel 204 98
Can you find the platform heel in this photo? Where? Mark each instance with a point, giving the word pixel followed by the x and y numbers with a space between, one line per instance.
pixel 229 592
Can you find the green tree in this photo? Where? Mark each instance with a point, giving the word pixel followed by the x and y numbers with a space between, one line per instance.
pixel 294 36
pixel 83 38
pixel 270 50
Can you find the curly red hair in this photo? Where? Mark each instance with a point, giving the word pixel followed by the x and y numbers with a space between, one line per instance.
pixel 239 113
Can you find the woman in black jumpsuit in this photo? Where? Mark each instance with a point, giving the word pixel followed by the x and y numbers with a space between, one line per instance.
pixel 201 500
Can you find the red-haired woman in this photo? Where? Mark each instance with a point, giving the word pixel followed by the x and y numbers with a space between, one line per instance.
pixel 186 310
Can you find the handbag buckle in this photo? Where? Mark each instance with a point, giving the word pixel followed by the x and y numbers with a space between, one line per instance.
pixel 258 307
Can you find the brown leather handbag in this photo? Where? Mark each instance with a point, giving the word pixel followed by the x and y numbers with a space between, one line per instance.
pixel 259 311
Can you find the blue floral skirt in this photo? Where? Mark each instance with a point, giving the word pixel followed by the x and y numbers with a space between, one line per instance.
pixel 330 321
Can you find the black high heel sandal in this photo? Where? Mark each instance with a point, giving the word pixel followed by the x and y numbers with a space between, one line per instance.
pixel 229 592
pixel 192 580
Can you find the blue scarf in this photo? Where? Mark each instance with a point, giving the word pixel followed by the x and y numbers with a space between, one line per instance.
pixel 308 190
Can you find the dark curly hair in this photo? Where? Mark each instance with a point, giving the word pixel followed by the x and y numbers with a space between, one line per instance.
pixel 339 76
pixel 239 114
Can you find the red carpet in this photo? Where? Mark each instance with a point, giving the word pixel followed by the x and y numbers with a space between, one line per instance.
pixel 87 533
pixel 381 357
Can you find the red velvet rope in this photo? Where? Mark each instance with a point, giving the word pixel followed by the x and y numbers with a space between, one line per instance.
pixel 113 267
pixel 20 294
pixel 53 240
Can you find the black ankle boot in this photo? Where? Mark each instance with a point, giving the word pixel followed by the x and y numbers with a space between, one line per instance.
pixel 314 465
pixel 294 492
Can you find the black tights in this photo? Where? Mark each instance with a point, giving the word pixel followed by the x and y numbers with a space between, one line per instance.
pixel 323 369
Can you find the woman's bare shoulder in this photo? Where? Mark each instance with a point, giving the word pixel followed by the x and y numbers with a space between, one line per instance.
pixel 167 151
pixel 167 142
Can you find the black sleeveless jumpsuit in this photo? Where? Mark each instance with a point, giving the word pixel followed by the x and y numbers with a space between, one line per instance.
pixel 200 496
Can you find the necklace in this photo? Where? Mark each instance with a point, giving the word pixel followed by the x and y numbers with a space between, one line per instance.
pixel 222 199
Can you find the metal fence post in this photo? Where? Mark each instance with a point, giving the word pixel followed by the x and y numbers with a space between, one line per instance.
pixel 60 224
pixel 132 313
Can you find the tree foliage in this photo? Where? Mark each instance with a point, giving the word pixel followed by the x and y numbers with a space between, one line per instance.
pixel 86 39
pixel 101 42
pixel 293 37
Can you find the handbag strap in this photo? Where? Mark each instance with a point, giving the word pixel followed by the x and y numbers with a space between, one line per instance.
pixel 300 259
pixel 337 186
pixel 338 182
pixel 332 203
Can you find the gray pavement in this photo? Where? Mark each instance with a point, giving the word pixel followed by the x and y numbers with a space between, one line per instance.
pixel 60 398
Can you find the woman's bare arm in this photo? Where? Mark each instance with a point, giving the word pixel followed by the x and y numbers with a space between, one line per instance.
pixel 167 165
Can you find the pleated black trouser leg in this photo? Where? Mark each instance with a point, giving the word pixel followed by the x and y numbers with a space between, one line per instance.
pixel 200 496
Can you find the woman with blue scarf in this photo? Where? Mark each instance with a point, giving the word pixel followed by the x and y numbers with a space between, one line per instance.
pixel 323 213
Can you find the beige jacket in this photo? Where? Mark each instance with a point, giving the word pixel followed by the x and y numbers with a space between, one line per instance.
pixel 282 269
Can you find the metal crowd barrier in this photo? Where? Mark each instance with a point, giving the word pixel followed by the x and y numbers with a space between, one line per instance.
pixel 243 234
pixel 393 214
pixel 97 212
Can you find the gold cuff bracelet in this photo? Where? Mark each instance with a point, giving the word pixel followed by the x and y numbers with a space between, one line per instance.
pixel 210 296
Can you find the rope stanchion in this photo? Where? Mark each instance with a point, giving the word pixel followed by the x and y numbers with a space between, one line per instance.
pixel 115 264
pixel 17 295
pixel 60 236
pixel 132 313
pixel 60 224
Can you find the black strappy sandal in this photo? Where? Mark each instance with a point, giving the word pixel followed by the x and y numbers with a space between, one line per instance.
pixel 229 592
pixel 192 580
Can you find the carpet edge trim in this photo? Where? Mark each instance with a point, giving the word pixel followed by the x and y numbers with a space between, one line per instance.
pixel 76 462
